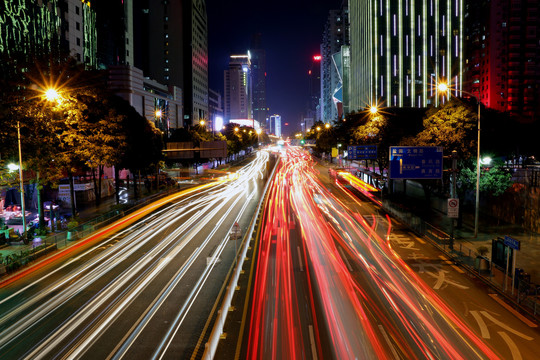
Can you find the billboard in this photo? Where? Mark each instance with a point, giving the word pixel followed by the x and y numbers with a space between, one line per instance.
pixel 416 162
pixel 213 149
pixel 180 150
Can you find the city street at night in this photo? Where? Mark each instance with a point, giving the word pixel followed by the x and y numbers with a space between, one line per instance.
pixel 269 180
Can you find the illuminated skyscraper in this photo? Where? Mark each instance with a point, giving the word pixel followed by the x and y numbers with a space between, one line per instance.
pixel 258 73
pixel 28 26
pixel 503 60
pixel 238 90
pixel 172 48
pixel 275 125
pixel 400 49
pixel 336 35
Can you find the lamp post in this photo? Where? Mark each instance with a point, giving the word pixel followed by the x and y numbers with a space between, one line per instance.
pixel 442 87
pixel 21 179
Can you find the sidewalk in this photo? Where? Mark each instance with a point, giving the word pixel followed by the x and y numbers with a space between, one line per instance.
pixel 527 258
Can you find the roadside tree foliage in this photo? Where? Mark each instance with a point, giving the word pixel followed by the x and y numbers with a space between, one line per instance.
pixel 452 126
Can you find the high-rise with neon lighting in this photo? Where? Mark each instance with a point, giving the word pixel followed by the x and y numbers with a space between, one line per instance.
pixel 503 60
pixel 335 36
pixel 400 50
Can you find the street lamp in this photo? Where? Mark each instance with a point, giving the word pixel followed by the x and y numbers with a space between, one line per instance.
pixel 327 125
pixel 442 88
pixel 258 131
pixel 373 110
pixel 21 179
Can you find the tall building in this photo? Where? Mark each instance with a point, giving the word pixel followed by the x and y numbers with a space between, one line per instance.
pixel 400 50
pixel 238 88
pixel 336 35
pixel 258 75
pixel 114 25
pixel 195 46
pixel 274 125
pixel 215 110
pixel 172 48
pixel 503 56
pixel 67 25
pixel 313 109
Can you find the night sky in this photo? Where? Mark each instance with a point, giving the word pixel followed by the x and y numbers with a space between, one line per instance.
pixel 291 34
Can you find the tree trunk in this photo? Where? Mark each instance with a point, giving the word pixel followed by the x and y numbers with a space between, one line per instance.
pixel 96 188
pixel 157 178
pixel 41 212
pixel 135 190
pixel 100 175
pixel 72 194
pixel 117 184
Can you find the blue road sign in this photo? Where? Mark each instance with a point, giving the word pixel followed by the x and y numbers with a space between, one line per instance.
pixel 416 162
pixel 511 242
pixel 362 152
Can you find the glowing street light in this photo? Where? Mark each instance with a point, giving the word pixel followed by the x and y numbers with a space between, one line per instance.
pixel 327 125
pixel 373 110
pixel 236 129
pixel 318 128
pixel 202 122
pixel 443 88
pixel 13 167
pixel 52 95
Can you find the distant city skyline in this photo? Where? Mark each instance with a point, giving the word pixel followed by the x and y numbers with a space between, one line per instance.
pixel 290 39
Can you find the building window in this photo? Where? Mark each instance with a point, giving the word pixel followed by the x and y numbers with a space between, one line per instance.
pixel 78 41
pixel 77 10
pixel 77 26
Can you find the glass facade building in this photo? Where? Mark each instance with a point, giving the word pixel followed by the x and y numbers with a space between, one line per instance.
pixel 400 50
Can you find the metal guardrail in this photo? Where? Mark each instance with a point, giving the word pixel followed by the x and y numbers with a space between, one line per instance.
pixel 525 295
pixel 217 330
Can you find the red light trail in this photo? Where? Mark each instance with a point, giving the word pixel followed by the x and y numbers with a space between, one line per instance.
pixel 380 312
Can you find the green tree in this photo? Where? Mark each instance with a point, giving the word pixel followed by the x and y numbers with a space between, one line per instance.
pixel 452 126
pixel 493 181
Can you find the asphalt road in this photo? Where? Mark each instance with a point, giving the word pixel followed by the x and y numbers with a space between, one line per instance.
pixel 336 278
pixel 142 291
pixel 476 305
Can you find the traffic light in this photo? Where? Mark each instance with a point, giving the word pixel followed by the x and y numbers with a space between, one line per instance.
pixel 302 142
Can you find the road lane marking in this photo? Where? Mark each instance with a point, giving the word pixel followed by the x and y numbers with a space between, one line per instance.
pixel 419 239
pixel 451 263
pixel 481 323
pixel 312 341
pixel 300 259
pixel 390 345
pixel 509 308
pixel 516 355
pixel 506 327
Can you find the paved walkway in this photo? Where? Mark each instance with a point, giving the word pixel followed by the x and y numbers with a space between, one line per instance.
pixel 527 258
